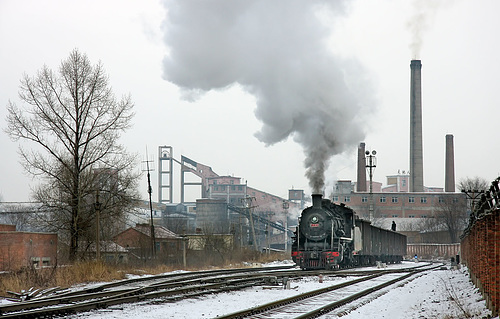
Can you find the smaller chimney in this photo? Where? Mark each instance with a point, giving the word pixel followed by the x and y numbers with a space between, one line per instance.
pixel 361 183
pixel 317 198
pixel 449 180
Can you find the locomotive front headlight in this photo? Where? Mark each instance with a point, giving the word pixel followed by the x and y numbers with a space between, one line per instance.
pixel 314 219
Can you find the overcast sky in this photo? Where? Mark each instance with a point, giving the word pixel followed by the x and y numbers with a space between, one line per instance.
pixel 249 87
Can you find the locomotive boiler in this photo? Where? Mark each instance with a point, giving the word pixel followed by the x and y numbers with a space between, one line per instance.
pixel 331 236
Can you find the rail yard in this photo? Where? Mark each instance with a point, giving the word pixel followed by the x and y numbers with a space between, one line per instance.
pixel 167 294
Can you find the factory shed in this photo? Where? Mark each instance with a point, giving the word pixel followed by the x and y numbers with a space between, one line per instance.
pixel 137 240
pixel 25 249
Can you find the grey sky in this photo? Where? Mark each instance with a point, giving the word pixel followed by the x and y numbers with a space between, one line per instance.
pixel 232 127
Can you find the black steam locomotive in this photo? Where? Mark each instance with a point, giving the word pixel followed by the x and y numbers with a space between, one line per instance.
pixel 331 236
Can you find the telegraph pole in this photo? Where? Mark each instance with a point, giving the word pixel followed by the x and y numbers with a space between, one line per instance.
pixel 371 163
pixel 97 206
pixel 286 205
pixel 150 191
pixel 472 195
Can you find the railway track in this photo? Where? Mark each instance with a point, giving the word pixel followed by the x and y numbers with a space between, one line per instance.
pixel 316 303
pixel 171 287
pixel 167 288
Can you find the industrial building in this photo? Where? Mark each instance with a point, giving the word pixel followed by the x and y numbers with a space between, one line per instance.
pixel 26 249
pixel 405 200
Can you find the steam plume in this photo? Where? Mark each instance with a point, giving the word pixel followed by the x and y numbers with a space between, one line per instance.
pixel 275 50
pixel 421 20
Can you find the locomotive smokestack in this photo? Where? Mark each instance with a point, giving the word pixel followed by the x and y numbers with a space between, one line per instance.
pixel 416 150
pixel 361 183
pixel 449 180
pixel 317 198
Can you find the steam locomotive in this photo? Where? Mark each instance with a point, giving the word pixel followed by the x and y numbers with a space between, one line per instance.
pixel 330 236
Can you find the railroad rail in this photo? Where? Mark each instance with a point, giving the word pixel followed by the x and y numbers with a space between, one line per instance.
pixel 170 286
pixel 318 302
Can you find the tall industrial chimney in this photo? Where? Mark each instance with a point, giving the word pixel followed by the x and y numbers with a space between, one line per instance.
pixel 449 170
pixel 416 150
pixel 361 183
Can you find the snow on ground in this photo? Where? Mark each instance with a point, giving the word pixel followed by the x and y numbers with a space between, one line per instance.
pixel 442 294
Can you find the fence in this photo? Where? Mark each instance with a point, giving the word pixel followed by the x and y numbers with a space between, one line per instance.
pixel 480 247
pixel 433 251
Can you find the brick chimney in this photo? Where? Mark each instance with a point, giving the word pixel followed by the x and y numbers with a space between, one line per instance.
pixel 416 150
pixel 449 179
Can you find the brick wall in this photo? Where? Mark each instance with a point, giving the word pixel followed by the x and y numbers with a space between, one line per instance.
pixel 481 253
pixel 5 227
pixel 21 249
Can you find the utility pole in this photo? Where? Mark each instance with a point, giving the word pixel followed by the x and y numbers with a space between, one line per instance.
pixel 150 191
pixel 97 206
pixel 286 205
pixel 371 163
pixel 472 195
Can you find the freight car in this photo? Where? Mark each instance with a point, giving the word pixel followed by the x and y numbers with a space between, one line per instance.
pixel 330 236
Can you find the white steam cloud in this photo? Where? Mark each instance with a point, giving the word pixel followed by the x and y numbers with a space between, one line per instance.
pixel 277 51
pixel 421 20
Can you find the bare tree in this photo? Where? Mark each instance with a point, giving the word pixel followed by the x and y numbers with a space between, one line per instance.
pixel 473 183
pixel 474 187
pixel 451 214
pixel 75 121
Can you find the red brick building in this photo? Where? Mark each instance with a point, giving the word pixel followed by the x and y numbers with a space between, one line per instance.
pixel 23 249
pixel 394 201
pixel 137 240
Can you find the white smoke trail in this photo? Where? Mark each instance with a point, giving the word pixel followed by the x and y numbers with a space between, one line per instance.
pixel 277 51
pixel 421 20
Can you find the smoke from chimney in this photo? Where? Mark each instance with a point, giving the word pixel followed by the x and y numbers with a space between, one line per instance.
pixel 276 51
pixel 416 149
pixel 423 13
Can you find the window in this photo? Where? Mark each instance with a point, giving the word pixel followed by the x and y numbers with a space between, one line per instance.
pixel 223 188
pixel 455 200
pixel 423 199
pixel 382 199
pixel 45 261
pixel 394 199
pixel 441 200
pixel 395 215
pixel 411 199
pixel 423 216
pixel 240 188
pixel 347 199
pixel 411 216
pixel 232 182
pixel 335 198
pixel 364 199
pixel 35 261
pixel 233 188
pixel 403 182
